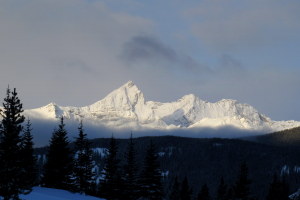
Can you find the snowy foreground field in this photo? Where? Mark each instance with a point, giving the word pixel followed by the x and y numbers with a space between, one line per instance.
pixel 40 193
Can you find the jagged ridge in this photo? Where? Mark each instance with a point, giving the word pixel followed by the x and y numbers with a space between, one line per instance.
pixel 126 107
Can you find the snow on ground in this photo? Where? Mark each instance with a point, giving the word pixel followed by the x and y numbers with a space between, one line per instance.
pixel 100 151
pixel 40 193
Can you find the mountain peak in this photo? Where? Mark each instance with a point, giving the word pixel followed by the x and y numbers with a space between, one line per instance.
pixel 52 104
pixel 126 107
pixel 188 96
pixel 129 84
pixel 122 100
pixel 231 101
pixel 128 88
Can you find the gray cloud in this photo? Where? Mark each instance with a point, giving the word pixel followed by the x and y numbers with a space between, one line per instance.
pixel 62 50
pixel 230 67
pixel 145 48
pixel 75 52
pixel 228 62
pixel 150 52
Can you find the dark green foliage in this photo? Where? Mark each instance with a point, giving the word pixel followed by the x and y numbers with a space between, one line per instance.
pixel 151 186
pixel 204 193
pixel 11 166
pixel 131 186
pixel 241 187
pixel 222 190
pixel 84 178
pixel 58 168
pixel 278 190
pixel 111 186
pixel 29 161
pixel 175 190
pixel 185 191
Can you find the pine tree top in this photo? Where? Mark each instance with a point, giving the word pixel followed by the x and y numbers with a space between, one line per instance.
pixel 27 136
pixel 59 135
pixel 11 113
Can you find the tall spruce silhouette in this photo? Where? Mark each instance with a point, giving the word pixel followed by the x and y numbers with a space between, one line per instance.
pixel 110 187
pixel 11 166
pixel 150 182
pixel 204 193
pixel 84 178
pixel 28 159
pixel 242 184
pixel 58 168
pixel 278 190
pixel 175 190
pixel 131 188
pixel 230 194
pixel 222 190
pixel 185 191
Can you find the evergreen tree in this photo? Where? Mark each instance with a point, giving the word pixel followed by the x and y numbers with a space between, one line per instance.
pixel 222 190
pixel 110 187
pixel 278 190
pixel 84 177
pixel 175 191
pixel 131 188
pixel 230 194
pixel 241 188
pixel 185 191
pixel 11 166
pixel 29 161
pixel 151 186
pixel 204 193
pixel 58 168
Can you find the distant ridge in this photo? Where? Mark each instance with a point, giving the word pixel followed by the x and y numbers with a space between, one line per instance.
pixel 126 108
pixel 287 138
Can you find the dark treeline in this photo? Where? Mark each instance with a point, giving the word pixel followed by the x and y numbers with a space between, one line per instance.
pixel 131 173
pixel 240 190
pixel 70 168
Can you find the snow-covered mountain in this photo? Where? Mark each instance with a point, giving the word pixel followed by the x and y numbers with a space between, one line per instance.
pixel 126 108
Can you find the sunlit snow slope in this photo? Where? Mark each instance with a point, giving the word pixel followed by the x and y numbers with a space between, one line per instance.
pixel 40 193
pixel 126 108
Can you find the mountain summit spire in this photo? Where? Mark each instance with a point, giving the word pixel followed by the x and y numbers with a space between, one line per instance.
pixel 129 84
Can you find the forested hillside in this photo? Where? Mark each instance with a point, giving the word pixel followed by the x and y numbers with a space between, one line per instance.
pixel 286 138
pixel 205 161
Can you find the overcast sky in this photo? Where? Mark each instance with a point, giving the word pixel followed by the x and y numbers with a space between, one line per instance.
pixel 74 52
